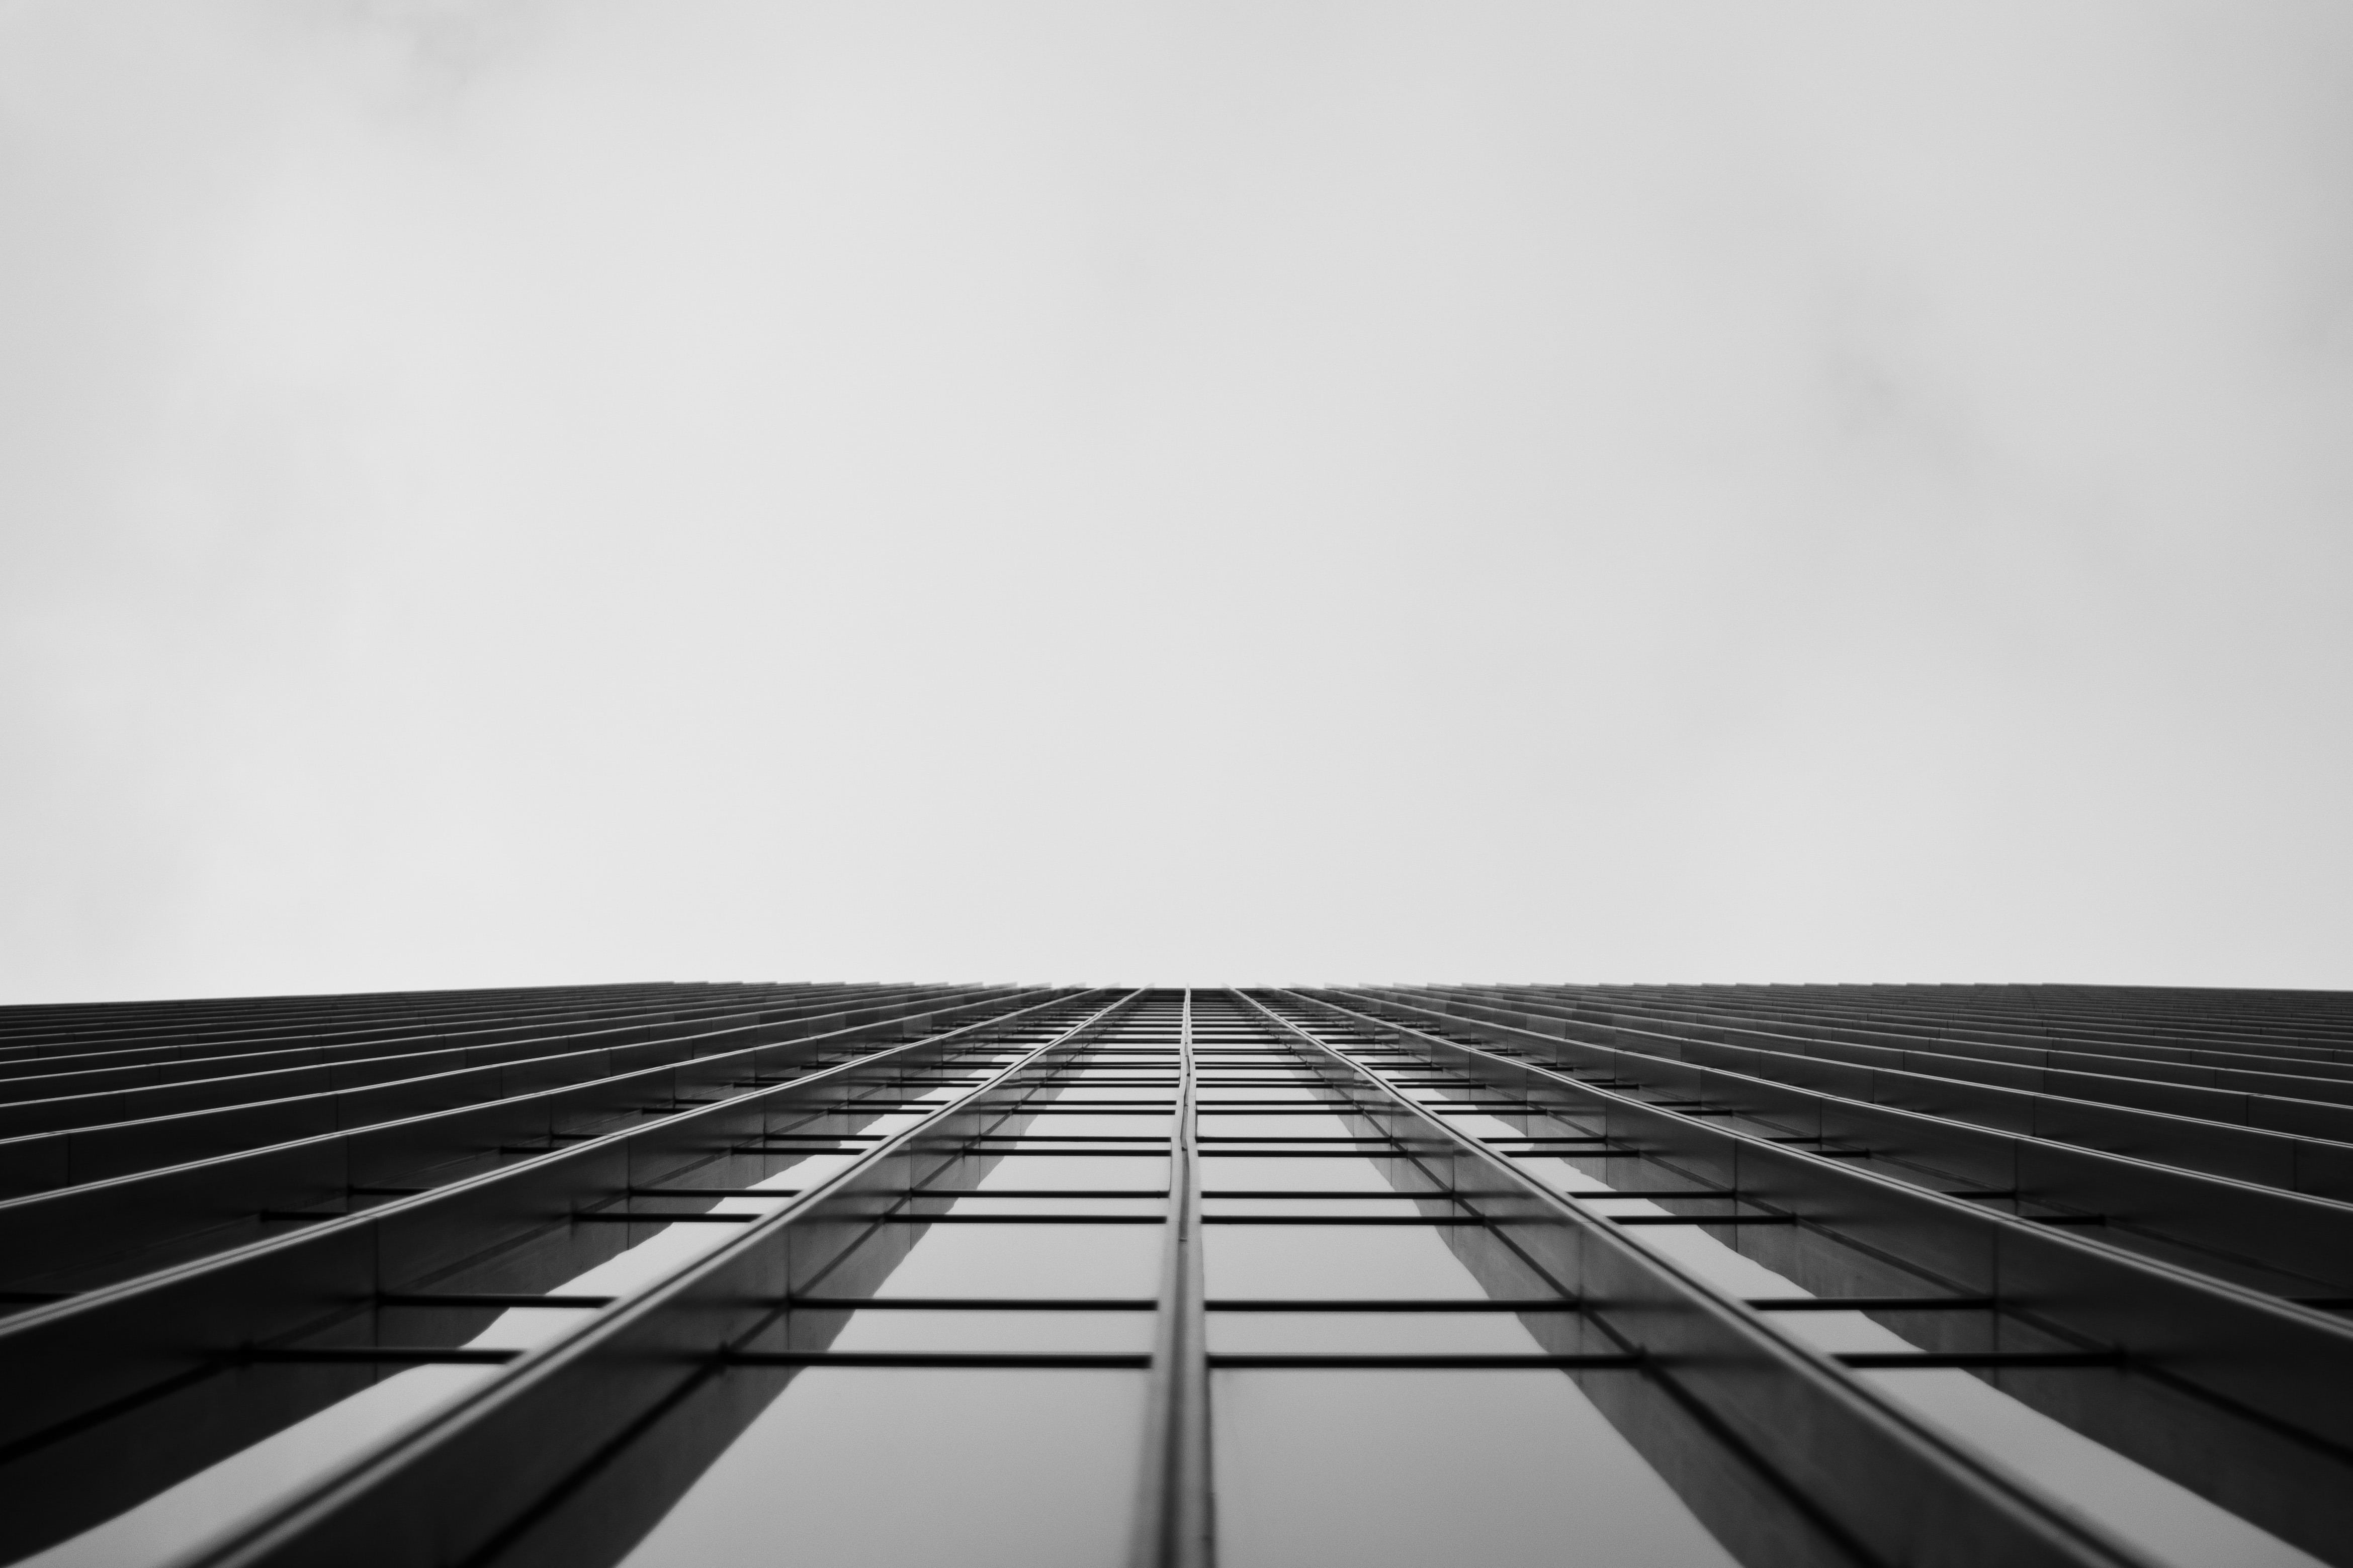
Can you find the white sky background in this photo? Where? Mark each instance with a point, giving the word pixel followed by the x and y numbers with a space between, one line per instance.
pixel 550 492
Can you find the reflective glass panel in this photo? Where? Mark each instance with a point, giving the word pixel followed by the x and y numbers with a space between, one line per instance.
pixel 1410 1469
pixel 1309 1261
pixel 1369 1333
pixel 915 1329
pixel 1146 1173
pixel 1121 1260
pixel 871 1468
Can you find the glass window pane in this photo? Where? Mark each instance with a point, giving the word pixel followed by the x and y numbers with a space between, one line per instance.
pixel 2168 1521
pixel 181 1518
pixel 867 1468
pixel 1152 1204
pixel 1400 1208
pixel 1307 1124
pixel 1372 1334
pixel 1121 1260
pixel 1403 1469
pixel 1077 1124
pixel 995 1330
pixel 1118 1093
pixel 1312 1261
pixel 1343 1173
pixel 1252 1094
pixel 1146 1173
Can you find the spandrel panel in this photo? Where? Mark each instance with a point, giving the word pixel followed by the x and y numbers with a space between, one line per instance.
pixel 1144 1172
pixel 1281 1091
pixel 1407 1468
pixel 1049 1122
pixel 1220 1075
pixel 1259 1172
pixel 1367 1333
pixel 1122 1332
pixel 1305 1123
pixel 1121 1260
pixel 971 1329
pixel 1150 1205
pixel 1342 1205
pixel 1081 1095
pixel 889 1468
pixel 1313 1261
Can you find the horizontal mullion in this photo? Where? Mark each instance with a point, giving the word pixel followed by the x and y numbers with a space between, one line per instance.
pixel 1377 1144
pixel 1061 1138
pixel 1308 1194
pixel 1234 1360
pixel 1973 1101
pixel 972 1303
pixel 2087 1291
pixel 1393 1304
pixel 1376 1152
pixel 1702 1219
pixel 1921 1361
pixel 695 1327
pixel 1871 1303
pixel 489 1299
pixel 2289 1236
pixel 1110 1360
pixel 60 1160
pixel 458 1355
pixel 1019 1219
pixel 59 1342
pixel 1348 1219
pixel 2113 1059
pixel 69 1107
pixel 713 1192
pixel 1550 1141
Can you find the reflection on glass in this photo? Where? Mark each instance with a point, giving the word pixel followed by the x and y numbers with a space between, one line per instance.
pixel 1152 1206
pixel 2169 1522
pixel 1340 1205
pixel 1259 1093
pixel 885 1469
pixel 219 1497
pixel 1273 1127
pixel 1371 1334
pixel 1079 1124
pixel 1405 1470
pixel 211 1502
pixel 1308 1261
pixel 1120 1093
pixel 1230 1172
pixel 1144 1172
pixel 1121 1260
pixel 918 1330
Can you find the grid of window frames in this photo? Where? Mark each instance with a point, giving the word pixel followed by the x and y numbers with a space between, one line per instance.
pixel 897 1275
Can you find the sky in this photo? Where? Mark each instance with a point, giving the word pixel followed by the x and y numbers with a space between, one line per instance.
pixel 513 492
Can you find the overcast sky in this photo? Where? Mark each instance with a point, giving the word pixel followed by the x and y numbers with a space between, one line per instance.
pixel 524 493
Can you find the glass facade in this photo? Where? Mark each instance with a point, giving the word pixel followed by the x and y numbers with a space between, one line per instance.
pixel 900 1275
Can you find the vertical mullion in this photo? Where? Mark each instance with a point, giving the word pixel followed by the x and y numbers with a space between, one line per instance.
pixel 1174 1524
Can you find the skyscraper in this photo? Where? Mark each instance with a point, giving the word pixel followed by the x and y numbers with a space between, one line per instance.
pixel 913 1274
